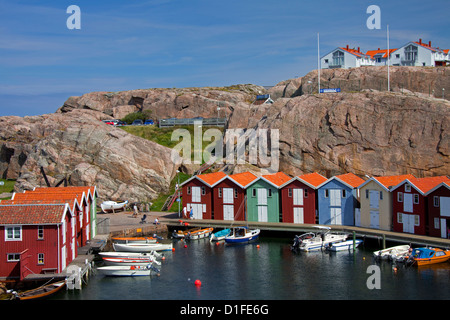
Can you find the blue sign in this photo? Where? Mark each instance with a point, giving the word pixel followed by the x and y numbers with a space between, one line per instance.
pixel 330 90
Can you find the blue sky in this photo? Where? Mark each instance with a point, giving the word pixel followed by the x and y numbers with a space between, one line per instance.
pixel 130 44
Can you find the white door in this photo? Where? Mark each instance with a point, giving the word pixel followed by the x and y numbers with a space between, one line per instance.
pixel 228 195
pixel 408 223
pixel 335 197
pixel 374 198
pixel 298 196
pixel 262 213
pixel 298 214
pixel 408 202
pixel 196 194
pixel 228 212
pixel 444 203
pixel 73 248
pixel 262 196
pixel 197 210
pixel 63 258
pixel 358 217
pixel 336 216
pixel 374 219
pixel 444 228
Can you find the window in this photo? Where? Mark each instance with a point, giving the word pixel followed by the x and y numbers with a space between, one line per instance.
pixel 367 193
pixel 188 190
pixel 269 192
pixel 254 192
pixel 436 201
pixel 40 232
pixel 220 192
pixel 13 257
pixel 338 58
pixel 235 193
pixel 40 258
pixel 326 60
pixel 400 197
pixel 407 188
pixel 436 223
pixel 344 193
pixel 416 198
pixel 381 195
pixel 305 194
pixel 326 193
pixel 290 193
pixel 203 191
pixel 416 220
pixel 397 56
pixel 13 233
pixel 399 217
pixel 411 53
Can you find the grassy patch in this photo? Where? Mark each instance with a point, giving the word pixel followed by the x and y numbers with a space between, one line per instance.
pixel 7 187
pixel 159 202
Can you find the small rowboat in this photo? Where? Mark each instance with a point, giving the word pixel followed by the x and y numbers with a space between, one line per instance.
pixel 142 247
pixel 134 240
pixel 128 271
pixel 199 234
pixel 181 234
pixel 129 261
pixel 112 206
pixel 427 256
pixel 134 255
pixel 41 292
pixel 385 254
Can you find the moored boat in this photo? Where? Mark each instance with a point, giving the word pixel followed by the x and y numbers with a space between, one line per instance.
pixel 220 235
pixel 391 252
pixel 42 291
pixel 242 235
pixel 142 247
pixel 311 241
pixel 108 206
pixel 427 256
pixel 199 234
pixel 134 255
pixel 181 234
pixel 344 245
pixel 129 261
pixel 134 239
pixel 128 271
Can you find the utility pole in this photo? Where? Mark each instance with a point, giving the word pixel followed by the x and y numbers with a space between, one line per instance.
pixel 318 59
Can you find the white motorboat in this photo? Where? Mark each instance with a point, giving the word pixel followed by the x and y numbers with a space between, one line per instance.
pixel 128 271
pixel 142 247
pixel 386 254
pixel 108 206
pixel 311 241
pixel 242 235
pixel 344 245
pixel 134 255
pixel 129 261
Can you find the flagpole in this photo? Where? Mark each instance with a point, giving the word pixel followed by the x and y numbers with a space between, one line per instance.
pixel 318 59
pixel 388 60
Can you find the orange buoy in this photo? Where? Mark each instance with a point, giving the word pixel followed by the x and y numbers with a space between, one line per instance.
pixel 173 249
pixel 198 283
pixel 185 245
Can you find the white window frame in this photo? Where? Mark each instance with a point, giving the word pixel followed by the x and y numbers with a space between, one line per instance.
pixel 13 238
pixel 416 198
pixel 399 196
pixel 40 233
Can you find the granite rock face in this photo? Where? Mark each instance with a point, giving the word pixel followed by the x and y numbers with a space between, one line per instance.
pixel 79 147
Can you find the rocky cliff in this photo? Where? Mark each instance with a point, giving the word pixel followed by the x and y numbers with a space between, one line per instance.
pixel 361 130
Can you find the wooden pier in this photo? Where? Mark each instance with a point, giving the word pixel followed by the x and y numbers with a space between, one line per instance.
pixel 294 228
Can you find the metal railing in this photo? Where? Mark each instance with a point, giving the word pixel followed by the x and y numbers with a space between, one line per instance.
pixel 219 122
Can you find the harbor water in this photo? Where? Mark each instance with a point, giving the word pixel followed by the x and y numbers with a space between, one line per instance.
pixel 269 270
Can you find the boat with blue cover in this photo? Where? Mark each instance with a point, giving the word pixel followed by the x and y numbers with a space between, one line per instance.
pixel 427 256
pixel 220 235
pixel 242 235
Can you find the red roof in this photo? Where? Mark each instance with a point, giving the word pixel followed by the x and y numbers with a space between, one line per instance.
pixel 211 178
pixel 350 179
pixel 32 213
pixel 315 179
pixel 372 53
pixel 244 178
pixel 390 181
pixel 278 178
pixel 48 196
pixel 426 184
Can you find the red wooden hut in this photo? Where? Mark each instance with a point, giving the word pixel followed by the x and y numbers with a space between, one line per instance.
pixel 410 204
pixel 439 211
pixel 229 196
pixel 198 196
pixel 298 198
pixel 35 238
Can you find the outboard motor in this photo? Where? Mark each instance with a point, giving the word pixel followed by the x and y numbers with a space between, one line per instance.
pixel 297 243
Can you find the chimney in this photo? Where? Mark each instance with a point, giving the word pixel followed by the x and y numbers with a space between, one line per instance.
pixel 358 49
pixel 429 43
pixel 420 41
pixel 378 49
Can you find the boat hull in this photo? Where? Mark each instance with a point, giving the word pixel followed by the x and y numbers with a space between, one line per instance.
pixel 134 240
pixel 129 261
pixel 387 253
pixel 125 271
pixel 199 234
pixel 220 235
pixel 142 247
pixel 108 206
pixel 42 292
pixel 249 236
pixel 343 246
